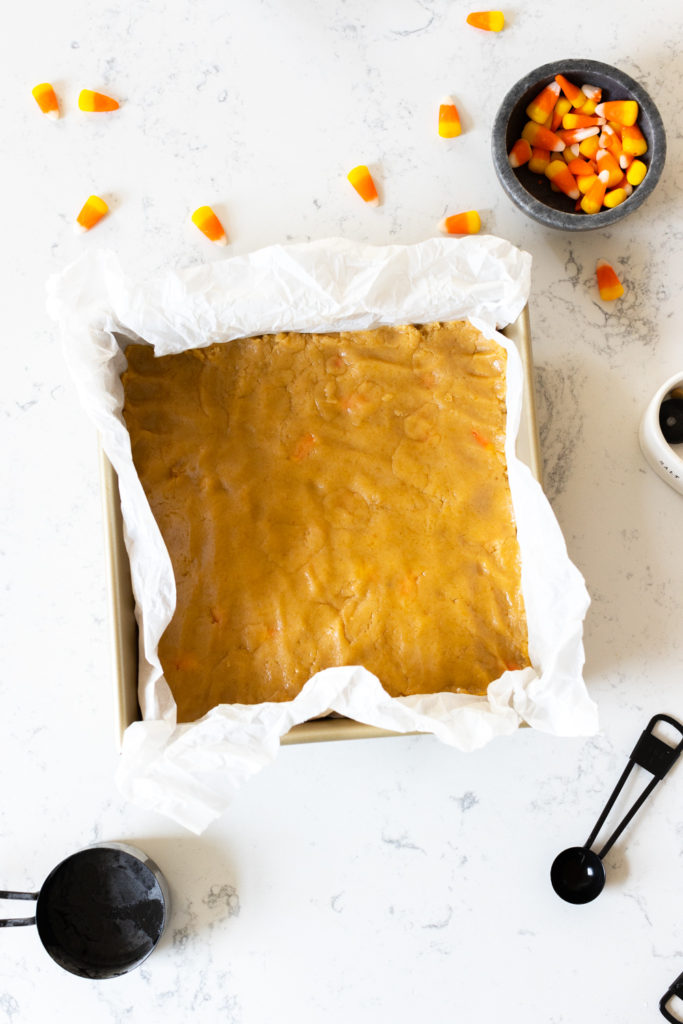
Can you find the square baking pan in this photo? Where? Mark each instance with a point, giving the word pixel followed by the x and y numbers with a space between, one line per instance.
pixel 123 625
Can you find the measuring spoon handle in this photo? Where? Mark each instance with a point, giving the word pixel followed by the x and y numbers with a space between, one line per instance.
pixel 674 989
pixel 16 922
pixel 656 757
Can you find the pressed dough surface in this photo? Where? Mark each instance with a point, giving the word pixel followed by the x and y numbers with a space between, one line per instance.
pixel 336 499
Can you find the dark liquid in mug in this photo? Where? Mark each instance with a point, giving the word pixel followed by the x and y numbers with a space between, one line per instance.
pixel 100 912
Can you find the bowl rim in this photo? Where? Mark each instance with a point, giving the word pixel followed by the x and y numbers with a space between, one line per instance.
pixel 567 220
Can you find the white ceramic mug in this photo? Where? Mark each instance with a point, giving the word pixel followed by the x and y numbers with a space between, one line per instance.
pixel 659 453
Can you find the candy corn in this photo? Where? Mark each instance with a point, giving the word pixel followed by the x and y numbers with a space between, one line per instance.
pixel 361 179
pixel 636 172
pixel 614 197
pixel 45 97
pixel 208 223
pixel 468 223
pixel 95 102
pixel 542 138
pixel 562 107
pixel 609 285
pixel 540 158
pixel 581 120
pixel 611 141
pixel 540 108
pixel 449 119
pixel 598 141
pixel 607 163
pixel 584 183
pixel 520 153
pixel 94 209
pixel 633 141
pixel 595 196
pixel 576 96
pixel 593 93
pixel 589 147
pixel 579 167
pixel 571 135
pixel 559 174
pixel 489 21
pixel 625 112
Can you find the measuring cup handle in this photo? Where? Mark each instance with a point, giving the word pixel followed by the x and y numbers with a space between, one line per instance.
pixel 16 922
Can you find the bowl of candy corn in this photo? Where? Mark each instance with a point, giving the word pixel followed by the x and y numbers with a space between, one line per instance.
pixel 578 144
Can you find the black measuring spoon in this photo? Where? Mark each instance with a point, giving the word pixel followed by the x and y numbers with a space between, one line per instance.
pixel 578 874
pixel 675 989
pixel 100 912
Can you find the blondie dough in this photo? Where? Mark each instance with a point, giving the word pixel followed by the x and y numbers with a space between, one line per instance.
pixel 331 499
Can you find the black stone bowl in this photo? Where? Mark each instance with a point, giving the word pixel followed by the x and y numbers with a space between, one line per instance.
pixel 532 192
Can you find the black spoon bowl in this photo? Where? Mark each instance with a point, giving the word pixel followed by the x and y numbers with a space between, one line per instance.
pixel 577 875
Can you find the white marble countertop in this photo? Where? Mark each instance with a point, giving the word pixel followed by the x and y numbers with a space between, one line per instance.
pixel 373 880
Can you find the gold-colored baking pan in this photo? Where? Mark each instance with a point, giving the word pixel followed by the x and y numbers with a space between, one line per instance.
pixel 124 630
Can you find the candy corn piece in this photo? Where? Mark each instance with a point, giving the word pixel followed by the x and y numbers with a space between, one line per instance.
pixel 489 21
pixel 542 138
pixel 633 141
pixel 562 107
pixel 636 172
pixel 581 120
pixel 449 119
pixel 624 112
pixel 593 93
pixel 559 174
pixel 584 182
pixel 540 158
pixel 544 104
pixel 45 97
pixel 520 153
pixel 593 199
pixel 606 162
pixel 94 209
pixel 208 223
pixel 571 135
pixel 614 197
pixel 580 168
pixel 468 223
pixel 576 96
pixel 361 179
pixel 589 147
pixel 611 141
pixel 609 285
pixel 95 102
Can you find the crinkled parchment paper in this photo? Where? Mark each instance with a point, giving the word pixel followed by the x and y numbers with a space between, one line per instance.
pixel 190 772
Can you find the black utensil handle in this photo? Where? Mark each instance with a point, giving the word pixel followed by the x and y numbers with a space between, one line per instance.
pixel 17 922
pixel 654 754
pixel 656 757
pixel 675 989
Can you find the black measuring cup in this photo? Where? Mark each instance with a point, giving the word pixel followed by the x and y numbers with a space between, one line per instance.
pixel 578 874
pixel 100 912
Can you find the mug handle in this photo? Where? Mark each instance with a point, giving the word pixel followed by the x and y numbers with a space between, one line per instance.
pixel 14 922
